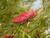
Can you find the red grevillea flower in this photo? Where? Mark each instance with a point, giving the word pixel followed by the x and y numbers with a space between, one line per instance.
pixel 25 16
pixel 9 37
pixel 28 27
pixel 37 32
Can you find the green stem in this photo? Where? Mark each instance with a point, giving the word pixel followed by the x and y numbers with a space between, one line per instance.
pixel 23 34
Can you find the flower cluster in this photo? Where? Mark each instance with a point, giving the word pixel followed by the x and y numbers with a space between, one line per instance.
pixel 25 16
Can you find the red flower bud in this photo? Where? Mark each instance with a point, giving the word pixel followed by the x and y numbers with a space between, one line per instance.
pixel 28 27
pixel 25 30
pixel 36 32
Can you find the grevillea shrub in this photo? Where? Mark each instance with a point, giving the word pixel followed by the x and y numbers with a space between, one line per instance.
pixel 25 16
